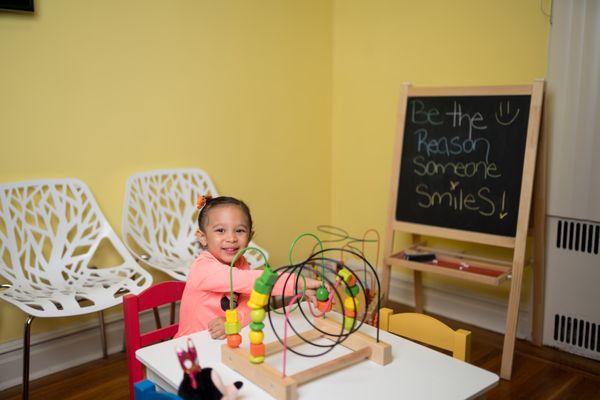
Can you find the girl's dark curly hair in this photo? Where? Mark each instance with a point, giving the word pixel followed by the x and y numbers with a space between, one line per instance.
pixel 211 203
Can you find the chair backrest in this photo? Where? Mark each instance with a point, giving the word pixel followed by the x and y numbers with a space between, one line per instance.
pixel 157 295
pixel 426 329
pixel 159 224
pixel 49 231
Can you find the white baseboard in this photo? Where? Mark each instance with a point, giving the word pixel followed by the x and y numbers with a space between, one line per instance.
pixel 450 302
pixel 58 350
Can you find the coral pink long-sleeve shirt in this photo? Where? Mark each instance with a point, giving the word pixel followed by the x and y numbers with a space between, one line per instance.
pixel 206 284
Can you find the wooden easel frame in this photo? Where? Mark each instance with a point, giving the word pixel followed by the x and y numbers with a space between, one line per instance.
pixel 516 243
pixel 286 388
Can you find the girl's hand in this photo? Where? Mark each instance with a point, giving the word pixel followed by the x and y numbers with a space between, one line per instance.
pixel 216 328
pixel 313 284
pixel 310 290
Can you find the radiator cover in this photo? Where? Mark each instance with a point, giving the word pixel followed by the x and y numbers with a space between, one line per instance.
pixel 572 295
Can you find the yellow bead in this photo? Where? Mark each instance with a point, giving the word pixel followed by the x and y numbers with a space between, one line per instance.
pixel 348 323
pixel 345 274
pixel 231 316
pixel 257 315
pixel 257 360
pixel 259 298
pixel 351 303
pixel 256 337
pixel 253 306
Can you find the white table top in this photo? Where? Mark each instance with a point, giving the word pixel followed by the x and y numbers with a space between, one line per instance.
pixel 416 372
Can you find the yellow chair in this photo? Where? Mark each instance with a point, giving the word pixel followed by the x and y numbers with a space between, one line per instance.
pixel 428 330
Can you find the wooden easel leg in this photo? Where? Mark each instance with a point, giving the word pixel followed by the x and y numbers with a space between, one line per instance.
pixel 385 284
pixel 512 317
pixel 388 247
pixel 418 278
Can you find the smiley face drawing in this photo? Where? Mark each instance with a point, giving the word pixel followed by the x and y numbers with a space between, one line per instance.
pixel 505 116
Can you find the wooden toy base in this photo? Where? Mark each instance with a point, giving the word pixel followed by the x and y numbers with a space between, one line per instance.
pixel 362 346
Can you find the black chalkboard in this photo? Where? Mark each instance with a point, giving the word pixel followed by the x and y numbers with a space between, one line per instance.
pixel 462 162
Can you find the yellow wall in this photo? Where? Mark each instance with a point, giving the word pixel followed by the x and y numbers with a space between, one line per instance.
pixel 99 90
pixel 381 43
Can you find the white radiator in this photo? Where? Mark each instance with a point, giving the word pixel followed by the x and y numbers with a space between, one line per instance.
pixel 572 316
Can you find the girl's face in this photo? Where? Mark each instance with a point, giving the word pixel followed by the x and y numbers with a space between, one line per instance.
pixel 225 232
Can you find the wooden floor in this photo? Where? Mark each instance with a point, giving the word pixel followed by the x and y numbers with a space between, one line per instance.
pixel 539 373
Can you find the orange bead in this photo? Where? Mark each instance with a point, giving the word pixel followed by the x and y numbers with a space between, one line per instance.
pixel 322 306
pixel 257 350
pixel 350 313
pixel 351 280
pixel 234 341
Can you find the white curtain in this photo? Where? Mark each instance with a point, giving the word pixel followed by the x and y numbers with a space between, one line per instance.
pixel 572 110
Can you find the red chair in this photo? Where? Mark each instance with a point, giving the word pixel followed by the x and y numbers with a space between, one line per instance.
pixel 155 296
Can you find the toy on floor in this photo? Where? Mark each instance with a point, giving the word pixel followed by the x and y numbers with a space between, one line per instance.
pixel 202 383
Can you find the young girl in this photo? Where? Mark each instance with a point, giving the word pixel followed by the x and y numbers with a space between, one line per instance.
pixel 225 227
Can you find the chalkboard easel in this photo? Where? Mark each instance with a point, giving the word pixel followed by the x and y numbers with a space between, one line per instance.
pixel 464 169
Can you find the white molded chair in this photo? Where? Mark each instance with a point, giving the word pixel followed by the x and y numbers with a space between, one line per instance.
pixel 159 225
pixel 49 232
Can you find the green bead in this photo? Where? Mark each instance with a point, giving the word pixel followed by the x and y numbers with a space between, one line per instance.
pixel 232 327
pixel 352 290
pixel 348 323
pixel 269 277
pixel 262 287
pixel 258 315
pixel 257 326
pixel 322 294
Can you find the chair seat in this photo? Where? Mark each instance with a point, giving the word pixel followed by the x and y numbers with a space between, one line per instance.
pixel 93 290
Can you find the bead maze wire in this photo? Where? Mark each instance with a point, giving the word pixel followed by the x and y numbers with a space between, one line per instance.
pixel 334 275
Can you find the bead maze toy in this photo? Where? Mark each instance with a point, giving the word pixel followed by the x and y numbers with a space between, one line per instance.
pixel 353 300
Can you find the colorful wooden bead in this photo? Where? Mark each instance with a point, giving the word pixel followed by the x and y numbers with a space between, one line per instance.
pixel 350 313
pixel 352 291
pixel 269 277
pixel 234 341
pixel 256 337
pixel 232 327
pixel 322 294
pixel 257 360
pixel 344 274
pixel 351 281
pixel 324 306
pixel 258 315
pixel 257 326
pixel 350 303
pixel 257 350
pixel 231 316
pixel 259 298
pixel 348 322
pixel 262 287
pixel 253 306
